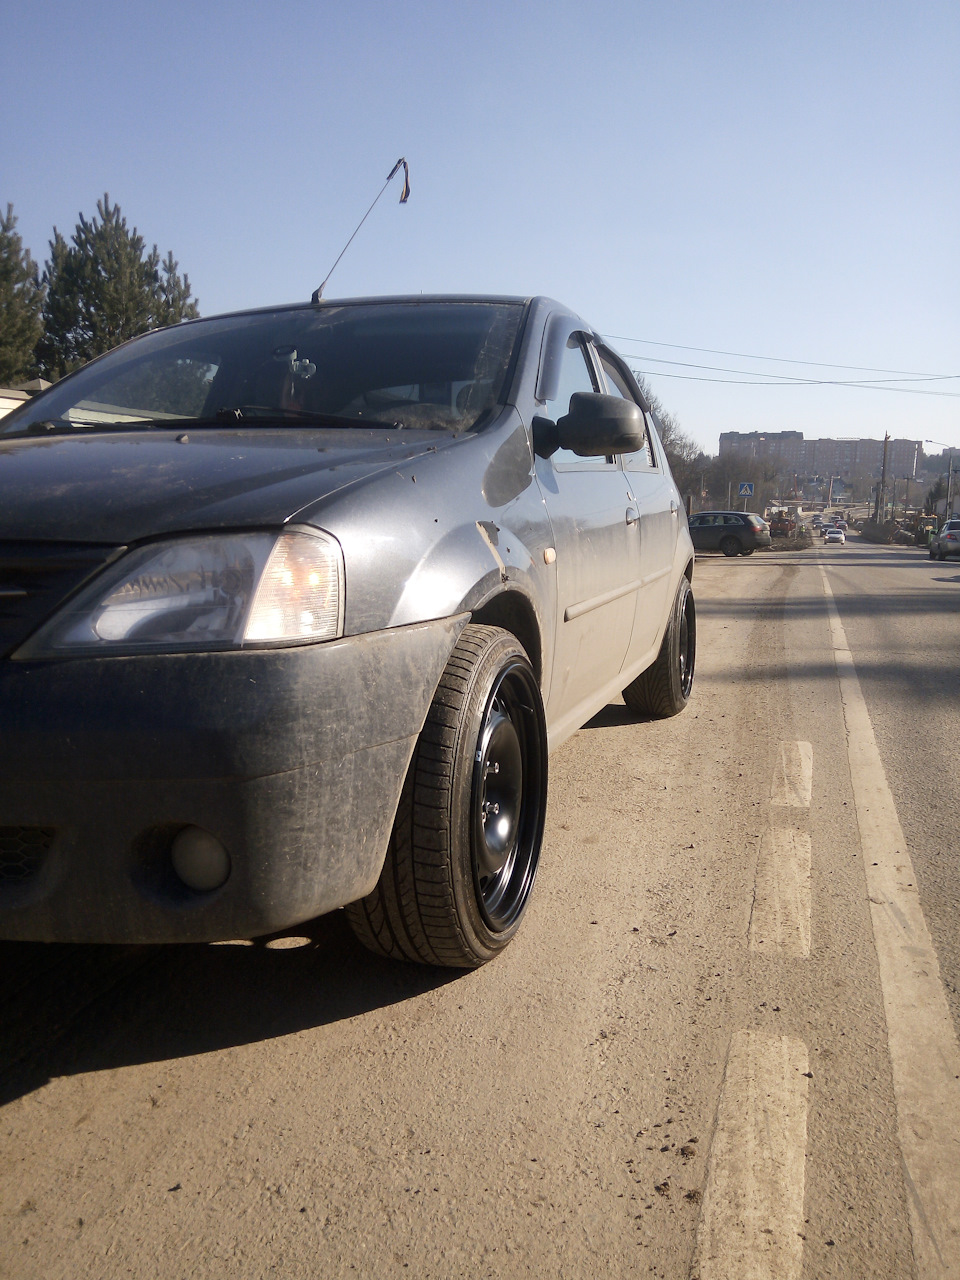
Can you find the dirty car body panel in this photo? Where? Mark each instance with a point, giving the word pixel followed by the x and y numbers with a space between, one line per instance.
pixel 237 560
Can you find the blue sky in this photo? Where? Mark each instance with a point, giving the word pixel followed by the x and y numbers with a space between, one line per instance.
pixel 767 179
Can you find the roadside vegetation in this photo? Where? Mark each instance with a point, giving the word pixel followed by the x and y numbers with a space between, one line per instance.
pixel 96 289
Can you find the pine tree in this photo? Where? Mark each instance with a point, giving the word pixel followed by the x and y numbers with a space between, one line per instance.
pixel 21 300
pixel 173 294
pixel 102 289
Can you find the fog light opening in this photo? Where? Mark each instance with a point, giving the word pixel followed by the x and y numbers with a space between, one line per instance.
pixel 199 859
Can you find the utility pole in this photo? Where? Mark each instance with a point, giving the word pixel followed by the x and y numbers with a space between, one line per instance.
pixel 881 507
pixel 948 511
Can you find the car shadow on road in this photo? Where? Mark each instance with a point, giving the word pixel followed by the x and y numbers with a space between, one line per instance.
pixel 68 1010
pixel 614 716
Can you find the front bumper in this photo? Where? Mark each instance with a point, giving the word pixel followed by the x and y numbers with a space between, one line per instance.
pixel 293 758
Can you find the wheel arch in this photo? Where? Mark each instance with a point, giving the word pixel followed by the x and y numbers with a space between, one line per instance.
pixel 514 612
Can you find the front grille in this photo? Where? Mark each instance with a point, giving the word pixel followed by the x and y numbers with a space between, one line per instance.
pixel 35 577
pixel 22 851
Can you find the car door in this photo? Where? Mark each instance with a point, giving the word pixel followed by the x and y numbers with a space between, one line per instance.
pixel 657 505
pixel 735 526
pixel 707 536
pixel 594 519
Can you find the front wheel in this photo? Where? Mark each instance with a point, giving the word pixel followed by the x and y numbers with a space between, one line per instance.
pixel 730 546
pixel 466 840
pixel 664 688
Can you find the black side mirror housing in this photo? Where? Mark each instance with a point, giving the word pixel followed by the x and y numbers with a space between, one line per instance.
pixel 546 437
pixel 599 425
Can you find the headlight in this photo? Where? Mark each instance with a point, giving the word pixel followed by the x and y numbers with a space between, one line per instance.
pixel 217 591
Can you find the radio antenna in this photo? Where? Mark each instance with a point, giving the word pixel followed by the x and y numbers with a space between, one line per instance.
pixel 404 197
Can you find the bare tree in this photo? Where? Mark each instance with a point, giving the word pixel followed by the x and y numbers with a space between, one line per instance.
pixel 687 460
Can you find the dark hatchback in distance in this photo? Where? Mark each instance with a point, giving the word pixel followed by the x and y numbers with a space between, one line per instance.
pixel 735 533
pixel 293 604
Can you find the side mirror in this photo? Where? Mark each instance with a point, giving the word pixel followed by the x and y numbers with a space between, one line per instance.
pixel 546 437
pixel 599 425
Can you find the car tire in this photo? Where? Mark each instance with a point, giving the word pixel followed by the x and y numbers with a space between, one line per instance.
pixel 941 554
pixel 730 546
pixel 664 689
pixel 455 884
pixel 748 551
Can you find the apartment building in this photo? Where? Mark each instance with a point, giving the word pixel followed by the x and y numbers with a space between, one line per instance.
pixel 789 452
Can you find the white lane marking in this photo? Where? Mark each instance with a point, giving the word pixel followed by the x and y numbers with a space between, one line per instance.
pixel 923 1046
pixel 753 1204
pixel 793 779
pixel 780 919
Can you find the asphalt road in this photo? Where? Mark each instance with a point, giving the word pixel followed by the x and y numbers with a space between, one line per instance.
pixel 723 1044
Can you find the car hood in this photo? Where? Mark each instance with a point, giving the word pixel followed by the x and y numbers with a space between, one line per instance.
pixel 121 487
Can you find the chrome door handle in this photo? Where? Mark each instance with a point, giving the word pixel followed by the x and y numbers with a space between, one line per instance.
pixel 633 515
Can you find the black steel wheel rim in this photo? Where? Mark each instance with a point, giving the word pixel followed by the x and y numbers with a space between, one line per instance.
pixel 687 644
pixel 507 801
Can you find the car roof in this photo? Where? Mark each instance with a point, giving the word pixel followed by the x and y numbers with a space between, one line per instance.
pixel 385 299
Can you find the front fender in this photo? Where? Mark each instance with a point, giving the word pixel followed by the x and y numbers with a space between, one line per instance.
pixel 463 569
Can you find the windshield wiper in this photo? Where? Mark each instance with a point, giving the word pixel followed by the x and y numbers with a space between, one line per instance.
pixel 257 416
pixel 69 426
pixel 247 416
pixel 261 414
pixel 52 426
pixel 44 428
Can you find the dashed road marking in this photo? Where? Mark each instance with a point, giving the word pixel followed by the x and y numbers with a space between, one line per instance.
pixel 793 779
pixel 923 1046
pixel 780 919
pixel 752 1218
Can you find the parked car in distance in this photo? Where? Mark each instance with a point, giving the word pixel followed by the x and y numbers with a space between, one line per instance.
pixel 735 533
pixel 945 541
pixel 834 534
pixel 293 604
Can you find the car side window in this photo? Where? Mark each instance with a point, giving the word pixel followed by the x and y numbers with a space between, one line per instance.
pixel 642 459
pixel 614 379
pixel 575 375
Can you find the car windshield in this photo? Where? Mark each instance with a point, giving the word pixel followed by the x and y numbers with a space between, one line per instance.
pixel 434 364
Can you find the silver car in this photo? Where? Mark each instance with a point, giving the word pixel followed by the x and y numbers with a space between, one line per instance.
pixel 945 541
pixel 293 604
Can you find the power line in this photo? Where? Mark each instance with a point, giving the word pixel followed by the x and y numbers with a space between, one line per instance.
pixel 745 355
pixel 798 382
pixel 793 380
